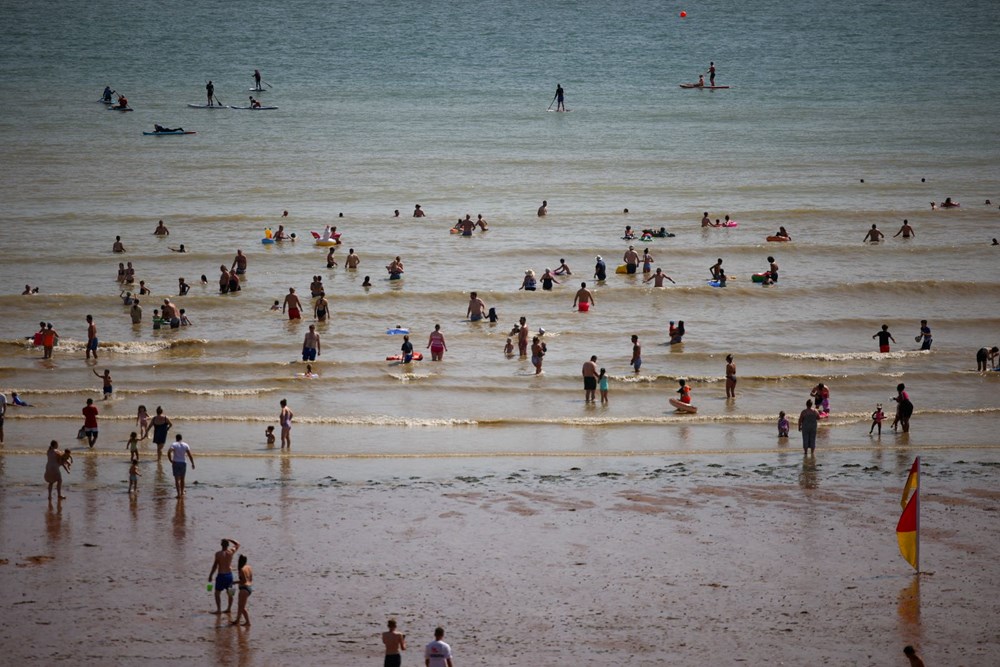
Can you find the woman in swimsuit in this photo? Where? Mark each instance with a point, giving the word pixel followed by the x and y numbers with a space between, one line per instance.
pixel 436 344
pixel 528 284
pixel 538 350
pixel 53 476
pixel 548 279
pixel 647 261
pixel 322 308
pixel 245 589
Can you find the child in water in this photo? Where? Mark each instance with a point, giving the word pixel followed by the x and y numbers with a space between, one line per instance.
pixel 877 417
pixel 142 421
pixel 133 476
pixel 602 383
pixel 782 425
pixel 133 446
pixel 508 349
pixel 367 282
pixel 269 434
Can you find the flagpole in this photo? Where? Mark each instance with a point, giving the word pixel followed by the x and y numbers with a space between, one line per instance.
pixel 917 492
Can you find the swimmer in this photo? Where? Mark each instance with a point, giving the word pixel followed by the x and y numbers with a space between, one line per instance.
pixel 548 279
pixel 476 308
pixel 528 284
pixel 906 230
pixel 563 268
pixel 783 234
pixel 161 230
pixel 180 249
pixel 715 269
pixel 118 245
pixel 584 299
pixel 948 203
pixel 418 212
pixel 543 210
pixel 367 282
pixel 352 261
pixel 659 277
pixel 508 349
pixel 483 225
pixel 269 435
pixel 873 235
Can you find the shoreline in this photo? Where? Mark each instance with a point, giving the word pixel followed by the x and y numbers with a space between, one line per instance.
pixel 620 561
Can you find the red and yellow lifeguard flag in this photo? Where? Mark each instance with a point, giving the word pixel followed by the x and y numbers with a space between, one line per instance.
pixel 908 528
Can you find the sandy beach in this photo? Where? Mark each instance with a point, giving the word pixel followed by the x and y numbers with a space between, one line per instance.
pixel 728 559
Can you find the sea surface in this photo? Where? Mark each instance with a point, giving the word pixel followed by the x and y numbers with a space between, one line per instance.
pixel 839 116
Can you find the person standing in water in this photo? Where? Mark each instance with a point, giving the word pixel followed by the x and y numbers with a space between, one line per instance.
pixel 730 377
pixel 560 98
pixel 285 419
pixel 808 422
pixel 883 338
pixel 210 92
pixel 178 452
pixel 925 336
pixel 256 80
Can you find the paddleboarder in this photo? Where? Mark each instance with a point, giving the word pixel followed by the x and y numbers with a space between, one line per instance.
pixel 210 90
pixel 560 101
pixel 256 79
pixel 711 74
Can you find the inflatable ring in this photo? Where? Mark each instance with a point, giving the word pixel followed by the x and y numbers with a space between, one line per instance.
pixel 267 241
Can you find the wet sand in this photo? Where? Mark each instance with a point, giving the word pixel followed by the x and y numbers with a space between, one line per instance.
pixel 640 561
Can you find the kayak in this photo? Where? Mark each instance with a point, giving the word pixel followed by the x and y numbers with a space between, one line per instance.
pixel 689 86
pixel 165 134
pixel 208 106
pixel 253 108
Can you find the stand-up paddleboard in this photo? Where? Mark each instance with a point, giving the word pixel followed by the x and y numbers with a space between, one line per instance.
pixel 559 110
pixel 260 108
pixel 208 106
pixel 256 90
pixel 117 108
pixel 104 101
pixel 166 134
pixel 683 407
pixel 778 239
pixel 398 357
pixel 690 86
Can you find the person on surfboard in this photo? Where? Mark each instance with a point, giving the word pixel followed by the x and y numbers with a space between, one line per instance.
pixel 711 74
pixel 560 101
pixel 254 104
pixel 256 79
pixel 210 90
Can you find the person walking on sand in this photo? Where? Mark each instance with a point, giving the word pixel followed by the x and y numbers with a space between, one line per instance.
pixel 590 377
pixel 437 653
pixel 584 299
pixel 883 338
pixel 873 235
pixel 285 419
pixel 394 642
pixel 176 455
pixel 636 361
pixel 476 308
pixel 436 344
pixel 91 337
pixel 245 573
pixel 222 570
pixel 53 475
pixel 292 304
pixel 90 422
pixel 808 421
pixel 730 377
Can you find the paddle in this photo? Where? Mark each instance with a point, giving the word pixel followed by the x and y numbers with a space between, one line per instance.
pixel 219 103
pixel 266 84
pixel 552 102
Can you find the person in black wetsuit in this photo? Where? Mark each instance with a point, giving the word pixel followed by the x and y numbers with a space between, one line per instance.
pixel 210 90
pixel 560 103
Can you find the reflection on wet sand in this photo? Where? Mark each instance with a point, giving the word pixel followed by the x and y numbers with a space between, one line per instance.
pixel 809 479
pixel 180 523
pixel 908 610
pixel 54 522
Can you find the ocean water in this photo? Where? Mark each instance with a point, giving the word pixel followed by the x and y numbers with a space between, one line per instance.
pixel 385 105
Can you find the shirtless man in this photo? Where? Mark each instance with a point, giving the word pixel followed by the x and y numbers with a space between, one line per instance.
pixel 394 643
pixel 292 304
pixel 311 345
pixel 873 235
pixel 168 311
pixel 135 312
pixel 659 276
pixel 707 221
pixel 239 263
pixel 285 419
pixel 562 269
pixel 418 212
pixel 583 299
pixel 118 246
pixel 476 308
pixel 772 269
pixel 543 209
pixel 715 269
pixel 223 564
pixel 590 375
pixel 91 337
pixel 395 268
pixel 182 287
pixel 906 231
pixel 481 222
pixel 352 261
pixel 467 225
pixel 161 230
pixel 631 259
